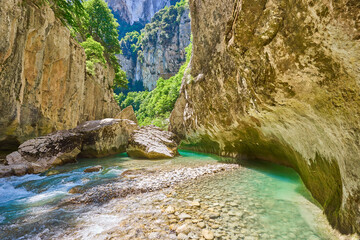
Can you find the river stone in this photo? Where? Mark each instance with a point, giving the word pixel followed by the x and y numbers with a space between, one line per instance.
pixel 184 216
pixel 152 143
pixel 185 228
pixel 5 171
pixel 127 113
pixel 207 234
pixel 105 137
pixel 170 210
pixel 76 189
pixel 201 224
pixel 93 169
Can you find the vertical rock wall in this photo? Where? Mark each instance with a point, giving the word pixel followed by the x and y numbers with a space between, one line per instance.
pixel 279 80
pixel 43 83
pixel 161 57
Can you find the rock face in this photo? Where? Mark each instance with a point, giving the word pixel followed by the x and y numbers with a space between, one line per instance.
pixel 127 113
pixel 136 11
pixel 162 55
pixel 152 143
pixel 91 139
pixel 43 84
pixel 279 81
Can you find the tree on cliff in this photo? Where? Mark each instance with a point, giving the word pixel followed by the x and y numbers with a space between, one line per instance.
pixel 102 25
pixel 68 11
pixel 99 25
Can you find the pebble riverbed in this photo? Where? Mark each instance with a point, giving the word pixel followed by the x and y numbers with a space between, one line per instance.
pixel 190 197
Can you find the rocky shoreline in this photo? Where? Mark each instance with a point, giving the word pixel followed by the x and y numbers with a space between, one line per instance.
pixel 145 180
pixel 178 203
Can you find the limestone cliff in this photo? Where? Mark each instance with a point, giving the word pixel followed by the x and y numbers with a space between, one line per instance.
pixel 134 14
pixel 279 80
pixel 162 50
pixel 43 83
pixel 132 11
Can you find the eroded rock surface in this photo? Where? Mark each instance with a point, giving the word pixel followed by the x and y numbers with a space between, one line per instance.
pixel 91 139
pixel 163 53
pixel 127 113
pixel 104 137
pixel 279 80
pixel 39 154
pixel 152 143
pixel 43 82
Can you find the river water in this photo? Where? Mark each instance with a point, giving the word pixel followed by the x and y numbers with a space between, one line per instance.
pixel 256 201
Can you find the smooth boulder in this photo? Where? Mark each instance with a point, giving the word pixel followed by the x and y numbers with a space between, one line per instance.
pixel 97 138
pixel 105 137
pixel 39 154
pixel 151 142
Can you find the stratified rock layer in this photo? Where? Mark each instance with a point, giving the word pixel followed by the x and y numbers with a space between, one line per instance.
pixel 97 138
pixel 43 82
pixel 279 80
pixel 152 143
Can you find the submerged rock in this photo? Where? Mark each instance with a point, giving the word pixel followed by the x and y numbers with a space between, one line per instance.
pixel 92 139
pixel 93 169
pixel 76 189
pixel 152 143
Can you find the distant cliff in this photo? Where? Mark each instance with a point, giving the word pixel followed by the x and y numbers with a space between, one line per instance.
pixel 43 82
pixel 134 14
pixel 160 49
pixel 279 81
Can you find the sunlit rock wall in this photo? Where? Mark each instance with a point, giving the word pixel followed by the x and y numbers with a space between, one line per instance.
pixel 279 80
pixel 43 83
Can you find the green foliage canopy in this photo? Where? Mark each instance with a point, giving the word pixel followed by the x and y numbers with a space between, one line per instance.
pixel 102 25
pixel 68 11
pixel 155 107
pixel 162 26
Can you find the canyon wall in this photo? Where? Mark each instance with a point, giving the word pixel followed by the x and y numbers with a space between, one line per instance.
pixel 162 54
pixel 134 14
pixel 132 11
pixel 278 80
pixel 43 82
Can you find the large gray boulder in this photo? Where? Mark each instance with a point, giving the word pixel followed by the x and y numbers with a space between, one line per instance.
pixel 105 137
pixel 39 154
pixel 152 143
pixel 91 139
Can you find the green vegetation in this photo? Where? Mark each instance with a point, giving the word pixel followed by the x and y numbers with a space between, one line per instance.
pixel 68 11
pixel 93 22
pixel 155 107
pixel 99 24
pixel 162 26
pixel 102 26
pixel 94 54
